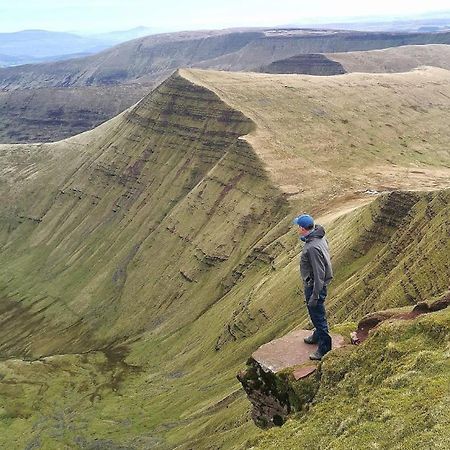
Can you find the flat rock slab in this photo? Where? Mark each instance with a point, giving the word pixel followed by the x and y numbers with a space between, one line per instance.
pixel 289 351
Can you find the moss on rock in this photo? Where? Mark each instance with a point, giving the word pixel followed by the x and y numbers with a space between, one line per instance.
pixel 393 391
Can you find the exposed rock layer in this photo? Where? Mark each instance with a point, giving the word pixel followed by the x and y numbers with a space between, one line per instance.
pixel 310 64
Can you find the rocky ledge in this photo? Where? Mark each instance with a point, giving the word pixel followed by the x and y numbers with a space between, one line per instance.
pixel 280 378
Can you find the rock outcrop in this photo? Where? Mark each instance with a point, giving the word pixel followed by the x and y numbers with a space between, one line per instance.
pixel 373 320
pixel 280 378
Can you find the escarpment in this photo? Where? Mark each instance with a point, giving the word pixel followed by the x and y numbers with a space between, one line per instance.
pixel 167 201
pixel 147 259
pixel 402 256
pixel 394 59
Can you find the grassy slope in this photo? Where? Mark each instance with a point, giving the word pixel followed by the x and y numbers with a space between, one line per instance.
pixel 391 392
pixel 166 261
pixel 396 59
pixel 318 147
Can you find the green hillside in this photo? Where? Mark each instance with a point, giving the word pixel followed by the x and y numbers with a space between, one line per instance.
pixel 392 392
pixel 148 258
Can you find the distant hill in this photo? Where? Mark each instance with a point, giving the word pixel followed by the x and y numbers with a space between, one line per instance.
pixel 395 59
pixel 427 22
pixel 152 57
pixel 8 61
pixel 35 46
pixel 145 62
pixel 116 37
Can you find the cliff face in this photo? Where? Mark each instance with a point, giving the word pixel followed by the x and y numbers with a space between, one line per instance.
pixel 389 60
pixel 49 114
pixel 165 198
pixel 400 256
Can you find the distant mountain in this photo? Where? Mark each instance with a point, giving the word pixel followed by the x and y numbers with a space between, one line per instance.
pixel 117 37
pixel 39 44
pixel 430 22
pixel 36 46
pixel 154 57
pixel 121 74
pixel 10 61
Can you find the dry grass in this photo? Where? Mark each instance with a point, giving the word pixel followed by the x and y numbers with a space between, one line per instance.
pixel 394 59
pixel 327 137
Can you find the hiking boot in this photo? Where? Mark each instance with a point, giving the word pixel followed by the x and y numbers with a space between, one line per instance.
pixel 309 340
pixel 316 356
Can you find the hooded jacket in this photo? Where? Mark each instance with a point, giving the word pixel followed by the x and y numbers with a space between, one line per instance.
pixel 315 264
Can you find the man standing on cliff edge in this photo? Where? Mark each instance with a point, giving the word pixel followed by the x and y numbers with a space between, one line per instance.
pixel 316 272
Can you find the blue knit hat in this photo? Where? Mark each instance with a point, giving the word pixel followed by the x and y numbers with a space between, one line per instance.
pixel 304 221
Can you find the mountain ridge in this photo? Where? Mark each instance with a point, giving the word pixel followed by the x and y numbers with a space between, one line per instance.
pixel 57 100
pixel 164 255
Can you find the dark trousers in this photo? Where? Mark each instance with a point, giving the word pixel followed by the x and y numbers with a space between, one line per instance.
pixel 319 320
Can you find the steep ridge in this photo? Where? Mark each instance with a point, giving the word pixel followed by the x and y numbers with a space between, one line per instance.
pixel 318 147
pixel 147 174
pixel 402 257
pixel 152 255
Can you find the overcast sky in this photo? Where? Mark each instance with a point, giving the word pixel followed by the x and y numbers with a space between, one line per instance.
pixel 109 15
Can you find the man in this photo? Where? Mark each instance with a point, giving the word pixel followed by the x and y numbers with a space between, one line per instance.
pixel 316 272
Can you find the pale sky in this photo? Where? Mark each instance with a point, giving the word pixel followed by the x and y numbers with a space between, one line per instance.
pixel 109 15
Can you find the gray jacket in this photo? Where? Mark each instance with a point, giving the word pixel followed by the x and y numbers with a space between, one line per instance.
pixel 315 264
